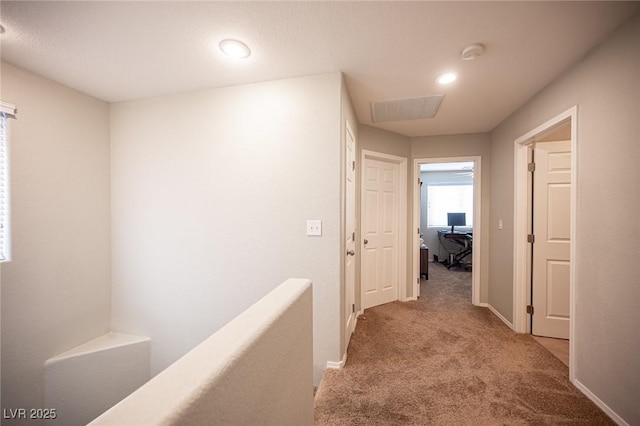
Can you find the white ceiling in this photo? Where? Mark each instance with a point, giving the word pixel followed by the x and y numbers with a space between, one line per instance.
pixel 119 51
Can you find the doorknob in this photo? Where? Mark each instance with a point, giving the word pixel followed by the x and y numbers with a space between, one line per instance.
pixel 366 241
pixel 351 253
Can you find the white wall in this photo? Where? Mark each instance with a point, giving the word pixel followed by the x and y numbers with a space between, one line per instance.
pixel 256 370
pixel 606 87
pixel 196 239
pixel 85 381
pixel 56 289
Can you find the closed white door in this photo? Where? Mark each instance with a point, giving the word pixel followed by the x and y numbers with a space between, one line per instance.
pixel 350 236
pixel 380 230
pixel 552 230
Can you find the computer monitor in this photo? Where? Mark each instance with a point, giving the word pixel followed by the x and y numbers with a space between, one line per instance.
pixel 456 219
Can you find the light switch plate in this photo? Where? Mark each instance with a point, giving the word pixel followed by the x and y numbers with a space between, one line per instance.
pixel 314 227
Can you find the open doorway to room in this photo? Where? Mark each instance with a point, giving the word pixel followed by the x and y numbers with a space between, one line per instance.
pixel 544 231
pixel 447 218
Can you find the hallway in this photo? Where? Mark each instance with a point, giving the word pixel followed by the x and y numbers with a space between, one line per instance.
pixel 441 361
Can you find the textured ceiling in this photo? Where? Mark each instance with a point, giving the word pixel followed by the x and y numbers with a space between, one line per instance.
pixel 119 51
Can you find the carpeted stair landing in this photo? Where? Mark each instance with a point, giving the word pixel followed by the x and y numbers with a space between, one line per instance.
pixel 443 361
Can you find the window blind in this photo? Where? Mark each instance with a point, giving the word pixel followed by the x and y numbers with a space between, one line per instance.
pixel 6 111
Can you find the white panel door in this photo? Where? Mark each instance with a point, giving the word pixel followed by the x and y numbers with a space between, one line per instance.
pixel 350 235
pixel 551 249
pixel 380 230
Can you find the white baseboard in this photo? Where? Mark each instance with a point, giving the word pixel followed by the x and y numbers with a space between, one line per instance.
pixel 498 314
pixel 604 407
pixel 339 364
pixel 333 365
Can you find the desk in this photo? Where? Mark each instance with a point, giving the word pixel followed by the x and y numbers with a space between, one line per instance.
pixel 464 240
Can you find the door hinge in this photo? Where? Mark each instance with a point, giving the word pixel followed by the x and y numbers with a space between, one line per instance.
pixel 418 280
pixel 531 238
pixel 353 165
pixel 418 231
pixel 530 309
pixel 353 307
pixel 353 236
pixel 531 167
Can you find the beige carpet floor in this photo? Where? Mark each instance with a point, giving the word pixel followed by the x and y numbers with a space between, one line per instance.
pixel 442 361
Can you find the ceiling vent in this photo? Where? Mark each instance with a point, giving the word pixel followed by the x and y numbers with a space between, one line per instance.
pixel 405 109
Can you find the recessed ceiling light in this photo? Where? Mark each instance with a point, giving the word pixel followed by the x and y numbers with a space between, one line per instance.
pixel 446 78
pixel 235 48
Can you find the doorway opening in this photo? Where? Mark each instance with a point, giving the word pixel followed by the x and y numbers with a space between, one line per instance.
pixel 544 236
pixel 447 217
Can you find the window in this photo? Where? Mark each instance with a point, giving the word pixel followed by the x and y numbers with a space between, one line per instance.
pixel 442 199
pixel 6 111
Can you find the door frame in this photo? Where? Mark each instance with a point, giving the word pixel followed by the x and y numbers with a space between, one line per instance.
pixel 402 216
pixel 477 220
pixel 521 258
